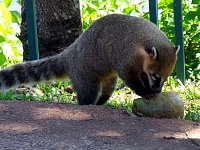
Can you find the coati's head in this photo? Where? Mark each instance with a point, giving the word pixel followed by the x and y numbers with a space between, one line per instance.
pixel 157 65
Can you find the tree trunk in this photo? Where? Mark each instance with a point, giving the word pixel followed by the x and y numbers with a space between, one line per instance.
pixel 58 25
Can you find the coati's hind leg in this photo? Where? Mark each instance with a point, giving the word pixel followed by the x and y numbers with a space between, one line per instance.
pixel 88 91
pixel 108 86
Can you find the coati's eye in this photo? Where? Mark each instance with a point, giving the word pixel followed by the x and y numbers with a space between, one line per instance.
pixel 153 52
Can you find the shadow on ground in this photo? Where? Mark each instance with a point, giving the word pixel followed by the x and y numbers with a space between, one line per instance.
pixel 33 125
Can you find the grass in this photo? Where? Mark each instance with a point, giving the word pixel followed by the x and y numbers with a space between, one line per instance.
pixel 122 96
pixel 190 93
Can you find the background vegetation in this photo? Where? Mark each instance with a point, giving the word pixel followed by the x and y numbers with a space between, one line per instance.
pixel 10 46
pixel 11 50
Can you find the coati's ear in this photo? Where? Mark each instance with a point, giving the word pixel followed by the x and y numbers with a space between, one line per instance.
pixel 153 53
pixel 177 48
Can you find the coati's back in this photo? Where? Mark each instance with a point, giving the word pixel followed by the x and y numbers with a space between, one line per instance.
pixel 133 48
pixel 120 36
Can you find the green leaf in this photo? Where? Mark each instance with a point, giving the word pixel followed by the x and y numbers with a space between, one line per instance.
pixel 113 4
pixel 6 13
pixel 7 2
pixel 19 1
pixel 198 12
pixel 170 6
pixel 2 59
pixel 190 15
pixel 195 1
pixel 92 6
pixel 194 27
pixel 122 3
pixel 196 37
pixel 128 10
pixel 7 50
pixel 15 17
pixel 2 39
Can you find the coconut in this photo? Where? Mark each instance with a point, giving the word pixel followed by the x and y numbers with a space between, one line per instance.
pixel 162 105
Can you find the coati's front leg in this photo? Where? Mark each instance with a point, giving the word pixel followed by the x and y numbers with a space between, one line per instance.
pixel 108 85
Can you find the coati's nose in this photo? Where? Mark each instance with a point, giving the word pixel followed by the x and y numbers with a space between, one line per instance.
pixel 156 89
pixel 154 92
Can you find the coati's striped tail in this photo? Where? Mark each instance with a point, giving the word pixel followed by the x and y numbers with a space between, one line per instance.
pixel 32 71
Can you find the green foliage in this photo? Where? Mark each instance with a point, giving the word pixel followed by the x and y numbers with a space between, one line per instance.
pixel 7 3
pixel 190 93
pixel 191 27
pixel 10 45
pixel 94 9
pixel 193 112
pixel 57 92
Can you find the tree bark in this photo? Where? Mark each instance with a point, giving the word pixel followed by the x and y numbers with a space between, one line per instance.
pixel 58 25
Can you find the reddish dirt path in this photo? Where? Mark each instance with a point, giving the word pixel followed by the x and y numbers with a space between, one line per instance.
pixel 44 126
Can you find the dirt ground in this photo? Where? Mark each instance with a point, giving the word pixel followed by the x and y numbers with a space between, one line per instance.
pixel 53 126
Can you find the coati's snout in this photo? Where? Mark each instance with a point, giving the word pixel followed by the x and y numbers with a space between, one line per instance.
pixel 145 85
pixel 151 84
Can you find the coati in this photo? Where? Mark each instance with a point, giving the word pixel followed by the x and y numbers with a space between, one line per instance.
pixel 115 45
